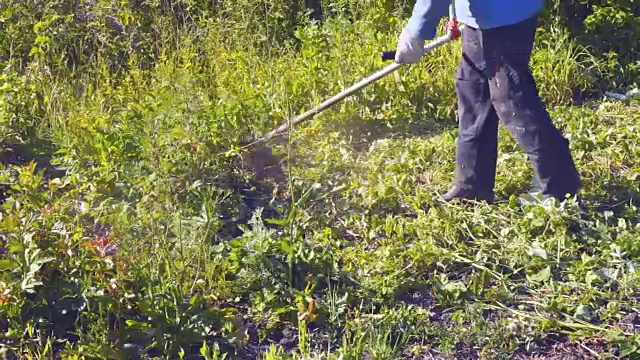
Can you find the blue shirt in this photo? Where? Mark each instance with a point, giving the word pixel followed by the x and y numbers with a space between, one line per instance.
pixel 479 14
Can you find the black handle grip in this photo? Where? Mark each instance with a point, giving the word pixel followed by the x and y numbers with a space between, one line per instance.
pixel 389 55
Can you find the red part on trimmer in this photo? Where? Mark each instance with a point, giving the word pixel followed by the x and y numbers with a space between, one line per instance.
pixel 452 28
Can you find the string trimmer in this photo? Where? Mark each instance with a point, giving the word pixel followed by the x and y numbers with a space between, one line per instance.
pixel 453 33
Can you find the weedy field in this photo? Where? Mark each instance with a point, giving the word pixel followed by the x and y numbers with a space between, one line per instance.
pixel 132 226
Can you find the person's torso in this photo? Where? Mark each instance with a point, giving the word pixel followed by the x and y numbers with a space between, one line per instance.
pixel 486 14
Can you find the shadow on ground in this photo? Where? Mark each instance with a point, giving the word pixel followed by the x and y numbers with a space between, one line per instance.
pixel 23 154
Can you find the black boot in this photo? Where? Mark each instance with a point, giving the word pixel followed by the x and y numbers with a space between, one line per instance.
pixel 468 194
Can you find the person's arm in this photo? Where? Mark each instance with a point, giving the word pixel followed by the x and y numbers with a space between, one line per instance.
pixel 426 17
pixel 422 26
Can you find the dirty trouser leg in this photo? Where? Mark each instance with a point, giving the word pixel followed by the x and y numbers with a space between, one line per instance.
pixel 515 97
pixel 478 121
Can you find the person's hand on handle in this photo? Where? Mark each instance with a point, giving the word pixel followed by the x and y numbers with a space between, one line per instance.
pixel 410 47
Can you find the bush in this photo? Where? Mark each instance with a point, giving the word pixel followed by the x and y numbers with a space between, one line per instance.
pixel 609 28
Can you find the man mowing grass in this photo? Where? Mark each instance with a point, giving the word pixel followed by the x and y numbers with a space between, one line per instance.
pixel 494 82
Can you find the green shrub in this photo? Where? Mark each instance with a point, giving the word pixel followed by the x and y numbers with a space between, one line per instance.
pixel 609 29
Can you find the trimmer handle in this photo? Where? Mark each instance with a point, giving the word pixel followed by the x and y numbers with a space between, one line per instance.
pixel 388 55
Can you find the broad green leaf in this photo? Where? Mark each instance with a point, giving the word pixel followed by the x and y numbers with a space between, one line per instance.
pixel 6 264
pixel 538 252
pixel 583 312
pixel 541 276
